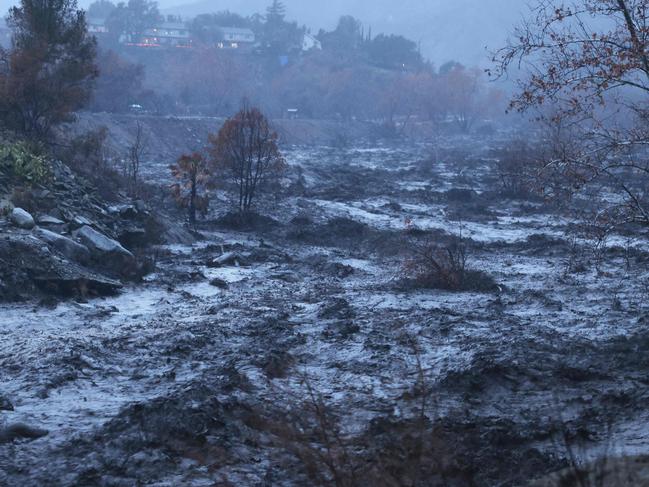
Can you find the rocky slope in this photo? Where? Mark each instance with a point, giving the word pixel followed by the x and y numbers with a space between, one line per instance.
pixel 69 241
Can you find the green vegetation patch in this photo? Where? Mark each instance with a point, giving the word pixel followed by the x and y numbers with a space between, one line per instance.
pixel 21 161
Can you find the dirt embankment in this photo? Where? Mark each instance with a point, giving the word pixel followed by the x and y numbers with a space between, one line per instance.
pixel 169 137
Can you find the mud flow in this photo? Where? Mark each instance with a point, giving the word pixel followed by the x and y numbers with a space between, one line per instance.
pixel 303 347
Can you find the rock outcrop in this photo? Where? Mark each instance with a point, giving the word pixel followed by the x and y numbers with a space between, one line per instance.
pixel 99 244
pixel 27 265
pixel 68 247
pixel 75 243
pixel 20 431
pixel 108 253
pixel 22 219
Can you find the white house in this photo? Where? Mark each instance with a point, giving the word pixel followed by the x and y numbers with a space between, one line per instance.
pixel 309 42
pixel 97 26
pixel 167 34
pixel 235 37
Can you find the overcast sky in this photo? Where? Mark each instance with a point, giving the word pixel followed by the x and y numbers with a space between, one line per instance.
pixel 461 30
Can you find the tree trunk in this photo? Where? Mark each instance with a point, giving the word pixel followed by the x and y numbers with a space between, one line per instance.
pixel 192 203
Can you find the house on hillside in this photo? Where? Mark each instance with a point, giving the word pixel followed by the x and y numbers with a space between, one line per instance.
pixel 166 34
pixel 309 42
pixel 235 38
pixel 97 27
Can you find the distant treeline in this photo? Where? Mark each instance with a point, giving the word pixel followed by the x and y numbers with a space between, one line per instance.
pixel 345 73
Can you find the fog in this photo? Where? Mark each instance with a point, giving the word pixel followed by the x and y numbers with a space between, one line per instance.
pixel 462 30
pixel 332 243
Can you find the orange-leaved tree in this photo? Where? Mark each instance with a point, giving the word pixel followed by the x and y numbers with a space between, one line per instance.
pixel 192 178
pixel 585 71
pixel 245 152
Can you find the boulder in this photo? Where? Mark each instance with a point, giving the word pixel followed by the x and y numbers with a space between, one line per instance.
pixel 22 219
pixel 175 234
pixel 68 247
pixel 133 236
pixel 48 220
pixel 30 266
pixel 227 259
pixel 124 211
pixel 460 195
pixel 220 283
pixel 81 221
pixel 99 244
pixel 20 431
pixel 106 251
pixel 5 404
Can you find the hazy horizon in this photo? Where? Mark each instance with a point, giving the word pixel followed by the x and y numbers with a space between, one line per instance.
pixel 465 30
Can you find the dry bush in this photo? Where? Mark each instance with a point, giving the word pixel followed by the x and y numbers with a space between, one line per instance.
pixel 436 265
pixel 87 154
pixel 390 452
pixel 609 470
pixel 518 168
pixel 23 197
pixel 312 434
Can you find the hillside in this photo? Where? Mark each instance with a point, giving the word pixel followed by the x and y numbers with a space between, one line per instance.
pixel 447 30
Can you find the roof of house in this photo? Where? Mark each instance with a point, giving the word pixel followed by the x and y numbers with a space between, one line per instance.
pixel 238 30
pixel 171 26
pixel 96 21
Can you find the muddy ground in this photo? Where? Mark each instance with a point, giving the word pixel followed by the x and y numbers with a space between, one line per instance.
pixel 302 358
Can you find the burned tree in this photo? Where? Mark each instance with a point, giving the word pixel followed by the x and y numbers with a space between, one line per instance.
pixel 136 153
pixel 589 80
pixel 245 152
pixel 192 175
pixel 48 72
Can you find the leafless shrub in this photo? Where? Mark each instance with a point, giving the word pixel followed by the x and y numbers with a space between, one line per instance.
pixel 609 470
pixel 89 156
pixel 23 197
pixel 443 265
pixel 312 434
pixel 339 138
pixel 575 262
pixel 390 452
pixel 88 152
pixel 136 153
pixel 517 168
